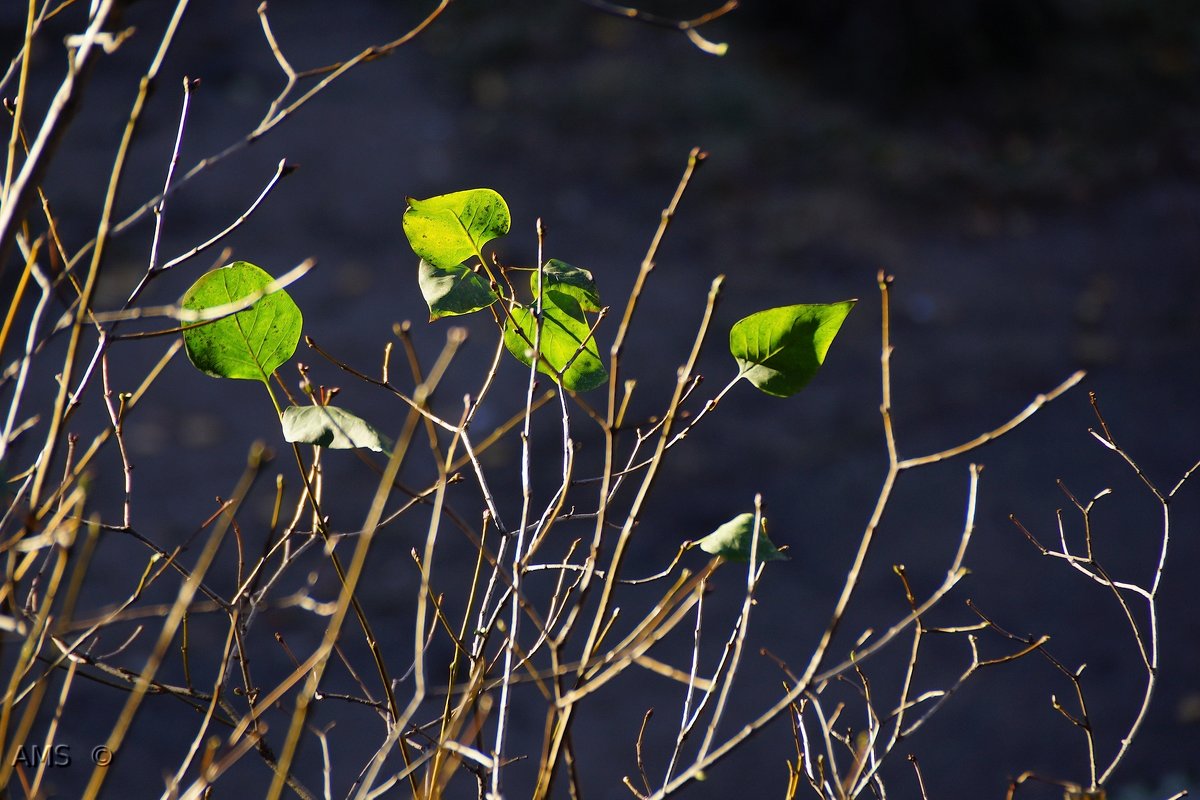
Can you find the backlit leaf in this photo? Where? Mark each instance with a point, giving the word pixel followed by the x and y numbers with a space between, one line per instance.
pixel 448 229
pixel 250 344
pixel 732 541
pixel 780 350
pixel 564 330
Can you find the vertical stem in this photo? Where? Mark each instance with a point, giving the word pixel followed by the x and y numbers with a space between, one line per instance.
pixel 518 553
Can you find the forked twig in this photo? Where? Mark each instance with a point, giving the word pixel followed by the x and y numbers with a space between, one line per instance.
pixel 690 27
pixel 813 674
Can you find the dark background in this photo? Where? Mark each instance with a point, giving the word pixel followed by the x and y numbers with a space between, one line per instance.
pixel 1027 170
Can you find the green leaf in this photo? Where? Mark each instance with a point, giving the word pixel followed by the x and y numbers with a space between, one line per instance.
pixel 452 291
pixel 562 277
pixel 564 329
pixel 780 350
pixel 332 427
pixel 250 344
pixel 448 229
pixel 732 541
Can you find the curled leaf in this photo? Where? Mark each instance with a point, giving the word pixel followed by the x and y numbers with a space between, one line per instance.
pixel 732 541
pixel 452 291
pixel 562 277
pixel 332 427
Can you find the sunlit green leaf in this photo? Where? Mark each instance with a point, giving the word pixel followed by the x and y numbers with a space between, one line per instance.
pixel 332 427
pixel 250 344
pixel 448 229
pixel 452 291
pixel 564 331
pixel 780 350
pixel 562 277
pixel 732 541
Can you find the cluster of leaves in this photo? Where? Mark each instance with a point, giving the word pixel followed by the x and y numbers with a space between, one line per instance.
pixel 254 342
pixel 778 350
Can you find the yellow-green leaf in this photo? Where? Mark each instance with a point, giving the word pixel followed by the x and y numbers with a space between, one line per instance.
pixel 780 350
pixel 565 343
pixel 448 229
pixel 732 541
pixel 250 344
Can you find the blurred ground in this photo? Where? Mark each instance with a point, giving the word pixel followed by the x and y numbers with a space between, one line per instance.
pixel 1029 172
